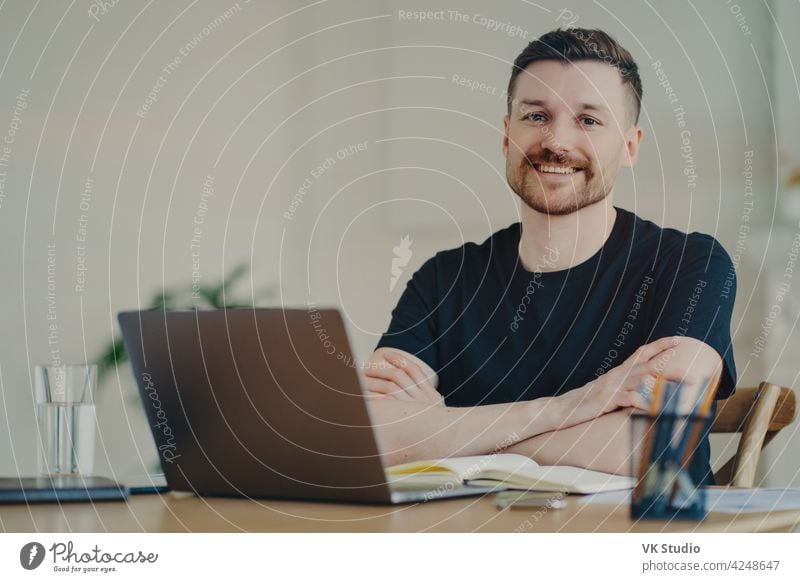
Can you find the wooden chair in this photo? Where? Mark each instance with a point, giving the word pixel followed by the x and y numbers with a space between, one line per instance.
pixel 758 414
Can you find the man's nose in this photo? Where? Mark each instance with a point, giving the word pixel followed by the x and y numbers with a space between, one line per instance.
pixel 559 136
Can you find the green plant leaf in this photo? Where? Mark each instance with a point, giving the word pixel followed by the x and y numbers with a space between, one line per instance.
pixel 215 296
pixel 115 354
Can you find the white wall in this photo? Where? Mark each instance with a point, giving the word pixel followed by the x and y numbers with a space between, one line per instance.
pixel 775 244
pixel 272 101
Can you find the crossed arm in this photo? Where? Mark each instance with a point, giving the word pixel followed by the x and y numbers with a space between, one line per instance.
pixel 585 427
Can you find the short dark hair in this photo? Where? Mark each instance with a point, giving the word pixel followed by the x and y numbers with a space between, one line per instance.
pixel 580 44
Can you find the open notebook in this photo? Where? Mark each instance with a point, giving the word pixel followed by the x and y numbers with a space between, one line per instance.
pixel 506 471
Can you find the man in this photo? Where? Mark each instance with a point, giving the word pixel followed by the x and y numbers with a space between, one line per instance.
pixel 549 333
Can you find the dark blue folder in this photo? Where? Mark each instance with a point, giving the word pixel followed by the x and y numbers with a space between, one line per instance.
pixel 60 489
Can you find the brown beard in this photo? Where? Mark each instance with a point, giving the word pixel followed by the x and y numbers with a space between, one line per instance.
pixel 523 180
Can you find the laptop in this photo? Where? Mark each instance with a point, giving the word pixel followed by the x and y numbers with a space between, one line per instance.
pixel 260 403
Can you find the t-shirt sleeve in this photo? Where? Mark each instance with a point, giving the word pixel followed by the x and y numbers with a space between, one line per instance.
pixel 695 296
pixel 412 328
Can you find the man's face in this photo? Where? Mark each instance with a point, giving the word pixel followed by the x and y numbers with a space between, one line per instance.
pixel 567 135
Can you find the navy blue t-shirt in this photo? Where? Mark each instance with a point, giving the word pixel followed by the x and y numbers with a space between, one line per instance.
pixel 495 332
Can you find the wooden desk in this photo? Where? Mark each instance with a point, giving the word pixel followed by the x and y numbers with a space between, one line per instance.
pixel 179 513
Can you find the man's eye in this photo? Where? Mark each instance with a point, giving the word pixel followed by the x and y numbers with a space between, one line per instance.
pixel 589 122
pixel 534 117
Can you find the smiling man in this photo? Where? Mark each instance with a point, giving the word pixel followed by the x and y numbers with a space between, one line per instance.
pixel 549 333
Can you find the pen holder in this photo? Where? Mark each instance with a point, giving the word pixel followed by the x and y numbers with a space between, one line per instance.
pixel 662 449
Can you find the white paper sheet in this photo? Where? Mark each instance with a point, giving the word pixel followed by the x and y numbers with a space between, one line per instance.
pixel 721 500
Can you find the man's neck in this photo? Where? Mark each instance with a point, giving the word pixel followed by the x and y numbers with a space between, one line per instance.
pixel 555 243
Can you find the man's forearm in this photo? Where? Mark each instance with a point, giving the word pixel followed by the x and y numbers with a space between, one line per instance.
pixel 602 444
pixel 411 431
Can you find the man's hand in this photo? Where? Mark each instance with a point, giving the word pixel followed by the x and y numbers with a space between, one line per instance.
pixel 397 374
pixel 619 387
pixel 410 429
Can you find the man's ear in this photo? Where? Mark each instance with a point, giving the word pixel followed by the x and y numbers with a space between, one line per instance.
pixel 632 142
pixel 506 121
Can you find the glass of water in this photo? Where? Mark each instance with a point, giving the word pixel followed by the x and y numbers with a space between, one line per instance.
pixel 66 417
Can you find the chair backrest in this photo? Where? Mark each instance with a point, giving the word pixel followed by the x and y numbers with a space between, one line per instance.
pixel 758 414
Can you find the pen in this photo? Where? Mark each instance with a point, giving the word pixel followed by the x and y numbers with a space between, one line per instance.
pixel 527 499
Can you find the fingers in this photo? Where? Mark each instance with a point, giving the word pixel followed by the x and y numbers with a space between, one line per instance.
pixel 385 388
pixel 637 391
pixel 381 386
pixel 651 350
pixel 376 396
pixel 678 375
pixel 643 369
pixel 647 373
pixel 635 400
pixel 417 375
pixel 401 379
pixel 393 375
pixel 429 373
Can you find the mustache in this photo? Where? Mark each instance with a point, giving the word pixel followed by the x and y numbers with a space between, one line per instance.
pixel 550 158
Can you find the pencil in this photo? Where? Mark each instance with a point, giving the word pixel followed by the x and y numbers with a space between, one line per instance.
pixel 683 443
pixel 702 414
pixel 647 446
pixel 698 417
pixel 693 414
pixel 664 453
